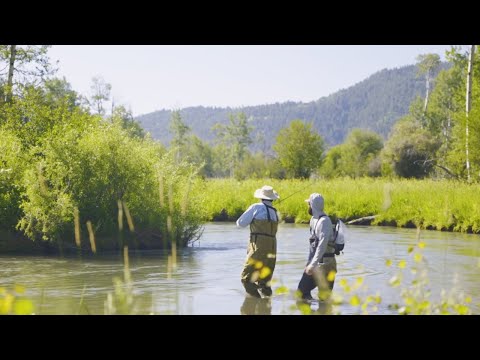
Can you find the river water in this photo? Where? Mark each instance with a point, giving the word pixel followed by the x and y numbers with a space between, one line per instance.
pixel 206 279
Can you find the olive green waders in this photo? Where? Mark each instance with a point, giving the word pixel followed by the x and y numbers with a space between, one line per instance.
pixel 261 257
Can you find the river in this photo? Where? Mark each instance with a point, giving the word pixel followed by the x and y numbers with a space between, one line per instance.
pixel 206 279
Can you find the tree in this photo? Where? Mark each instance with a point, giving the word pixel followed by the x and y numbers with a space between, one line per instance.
pixel 410 150
pixel 427 64
pixel 57 90
pixel 468 104
pixel 299 149
pixel 360 148
pixel 179 130
pixel 235 136
pixel 259 166
pixel 443 106
pixel 201 155
pixel 125 119
pixel 100 94
pixel 29 63
pixel 331 166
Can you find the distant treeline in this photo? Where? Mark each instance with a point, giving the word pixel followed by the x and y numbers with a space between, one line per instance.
pixel 430 139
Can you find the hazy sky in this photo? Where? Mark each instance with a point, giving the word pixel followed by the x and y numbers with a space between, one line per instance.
pixel 149 78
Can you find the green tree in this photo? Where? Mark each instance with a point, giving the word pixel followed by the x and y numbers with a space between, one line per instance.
pixel 410 150
pixel 332 164
pixel 299 149
pixel 13 161
pixel 124 118
pixel 179 130
pixel 100 94
pixel 447 117
pixel 427 64
pixel 443 105
pixel 24 64
pixel 360 149
pixel 259 166
pixel 468 101
pixel 235 137
pixel 57 90
pixel 201 155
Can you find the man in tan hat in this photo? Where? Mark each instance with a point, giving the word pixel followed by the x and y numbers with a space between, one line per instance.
pixel 262 249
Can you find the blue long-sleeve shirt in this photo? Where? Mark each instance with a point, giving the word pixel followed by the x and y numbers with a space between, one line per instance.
pixel 256 211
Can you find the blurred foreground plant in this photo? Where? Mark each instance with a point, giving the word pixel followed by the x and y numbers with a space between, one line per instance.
pixel 13 303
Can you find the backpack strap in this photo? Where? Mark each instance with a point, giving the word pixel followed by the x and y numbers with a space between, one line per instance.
pixel 268 212
pixel 315 226
pixel 334 237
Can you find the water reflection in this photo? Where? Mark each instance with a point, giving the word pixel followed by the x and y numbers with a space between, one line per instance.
pixel 256 306
pixel 314 307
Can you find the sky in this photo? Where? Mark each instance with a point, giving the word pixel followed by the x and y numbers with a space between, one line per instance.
pixel 146 78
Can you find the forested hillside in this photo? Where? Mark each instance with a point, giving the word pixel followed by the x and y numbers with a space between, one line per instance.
pixel 374 104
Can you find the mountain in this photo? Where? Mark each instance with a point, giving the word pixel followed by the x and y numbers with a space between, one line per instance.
pixel 374 103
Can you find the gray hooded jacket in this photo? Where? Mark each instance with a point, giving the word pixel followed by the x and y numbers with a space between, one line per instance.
pixel 321 227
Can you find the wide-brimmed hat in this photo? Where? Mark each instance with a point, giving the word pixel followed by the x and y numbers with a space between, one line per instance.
pixel 267 193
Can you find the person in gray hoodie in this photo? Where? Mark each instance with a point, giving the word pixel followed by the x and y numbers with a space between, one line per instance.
pixel 321 266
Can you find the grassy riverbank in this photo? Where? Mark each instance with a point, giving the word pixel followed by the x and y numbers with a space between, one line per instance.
pixel 439 205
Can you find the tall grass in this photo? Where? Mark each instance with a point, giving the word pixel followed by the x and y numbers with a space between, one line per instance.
pixel 428 204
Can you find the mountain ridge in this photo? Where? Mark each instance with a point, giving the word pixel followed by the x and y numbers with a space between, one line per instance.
pixel 374 103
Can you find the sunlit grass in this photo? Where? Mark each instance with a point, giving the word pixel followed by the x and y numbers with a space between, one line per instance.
pixel 427 204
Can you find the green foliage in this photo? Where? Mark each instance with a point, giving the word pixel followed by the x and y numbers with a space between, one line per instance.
pixel 124 119
pixel 201 155
pixel 410 149
pixel 13 162
pixel 100 94
pixel 259 166
pixel 56 157
pixel 32 63
pixel 446 120
pixel 59 90
pixel 92 173
pixel 444 102
pixel 234 137
pixel 357 157
pixel 456 158
pixel 299 149
pixel 331 166
pixel 427 63
pixel 34 118
pixel 179 130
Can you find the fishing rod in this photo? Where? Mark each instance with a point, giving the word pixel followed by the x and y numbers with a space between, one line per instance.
pixel 296 192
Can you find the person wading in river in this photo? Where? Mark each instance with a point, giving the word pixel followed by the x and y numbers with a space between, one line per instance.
pixel 321 266
pixel 262 249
